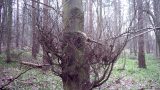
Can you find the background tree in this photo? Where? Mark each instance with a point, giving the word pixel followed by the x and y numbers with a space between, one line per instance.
pixel 8 5
pixel 132 15
pixel 83 58
pixel 17 26
pixel 35 44
pixel 1 5
pixel 141 56
pixel 156 8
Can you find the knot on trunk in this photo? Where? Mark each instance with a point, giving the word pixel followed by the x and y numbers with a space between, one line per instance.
pixel 75 39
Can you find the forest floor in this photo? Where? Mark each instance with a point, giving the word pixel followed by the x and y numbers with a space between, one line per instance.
pixel 130 77
pixel 125 76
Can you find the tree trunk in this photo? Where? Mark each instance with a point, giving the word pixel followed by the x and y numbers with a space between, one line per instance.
pixel 157 50
pixel 23 25
pixel 132 14
pixel 46 58
pixel 90 18
pixel 75 70
pixel 156 8
pixel 9 28
pixel 17 26
pixel 1 4
pixel 141 54
pixel 35 43
pixel 99 19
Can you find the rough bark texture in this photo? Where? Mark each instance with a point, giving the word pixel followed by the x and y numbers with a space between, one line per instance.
pixel 141 54
pixel 75 70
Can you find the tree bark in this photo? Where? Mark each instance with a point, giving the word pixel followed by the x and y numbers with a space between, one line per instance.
pixel 46 58
pixel 35 43
pixel 99 19
pixel 141 54
pixel 9 28
pixel 1 4
pixel 75 70
pixel 90 17
pixel 132 13
pixel 23 25
pixel 17 26
pixel 156 4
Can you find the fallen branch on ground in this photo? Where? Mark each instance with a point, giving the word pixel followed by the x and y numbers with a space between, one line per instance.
pixel 34 65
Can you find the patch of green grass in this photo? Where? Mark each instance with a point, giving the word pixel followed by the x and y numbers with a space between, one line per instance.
pixel 38 79
pixel 146 78
pixel 4 64
pixel 31 80
pixel 134 77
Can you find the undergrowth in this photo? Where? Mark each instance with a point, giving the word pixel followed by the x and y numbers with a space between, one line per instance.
pixel 129 77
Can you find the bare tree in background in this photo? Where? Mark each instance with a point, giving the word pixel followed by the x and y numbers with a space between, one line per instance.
pixel 35 43
pixel 156 18
pixel 133 14
pixel 90 17
pixel 23 24
pixel 46 25
pixel 8 5
pixel 1 30
pixel 141 53
pixel 17 26
pixel 147 23
pixel 82 61
pixel 99 19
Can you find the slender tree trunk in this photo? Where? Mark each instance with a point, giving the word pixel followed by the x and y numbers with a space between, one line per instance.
pixel 147 23
pixel 135 40
pixel 23 25
pixel 157 50
pixel 90 17
pixel 1 4
pixel 46 59
pixel 141 53
pixel 135 46
pixel 132 14
pixel 156 8
pixel 4 23
pixel 99 19
pixel 35 43
pixel 17 26
pixel 75 70
pixel 9 28
pixel 147 43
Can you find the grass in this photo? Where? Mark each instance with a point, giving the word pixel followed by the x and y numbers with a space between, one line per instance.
pixel 132 78
pixel 4 64
pixel 137 78
pixel 35 79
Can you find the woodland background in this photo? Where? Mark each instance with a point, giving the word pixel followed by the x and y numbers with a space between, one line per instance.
pixel 79 44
